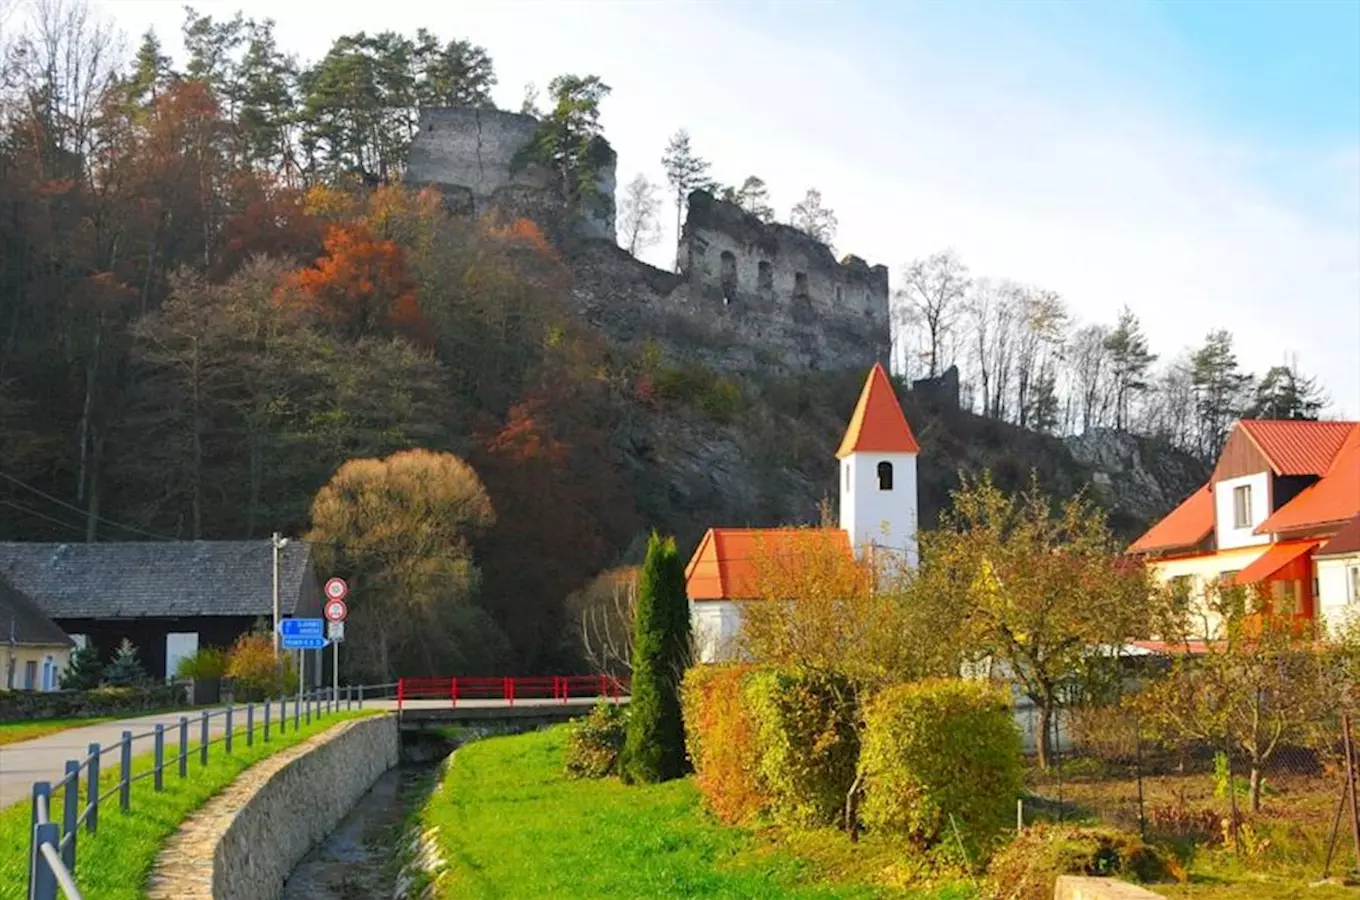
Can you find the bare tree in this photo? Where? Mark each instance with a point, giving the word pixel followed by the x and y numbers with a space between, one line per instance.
pixel 605 609
pixel 813 219
pixel 1089 361
pixel 934 288
pixel 1042 332
pixel 639 224
pixel 1171 396
pixel 991 312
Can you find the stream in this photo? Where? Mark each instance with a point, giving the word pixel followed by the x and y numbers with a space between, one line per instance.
pixel 357 860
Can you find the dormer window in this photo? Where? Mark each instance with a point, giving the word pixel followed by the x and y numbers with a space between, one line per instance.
pixel 885 476
pixel 1242 506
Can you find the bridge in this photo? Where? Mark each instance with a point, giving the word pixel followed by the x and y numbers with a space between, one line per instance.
pixel 422 702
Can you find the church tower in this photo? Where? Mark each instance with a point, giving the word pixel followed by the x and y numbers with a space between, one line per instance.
pixel 878 472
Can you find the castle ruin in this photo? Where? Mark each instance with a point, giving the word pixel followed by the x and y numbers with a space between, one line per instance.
pixel 749 295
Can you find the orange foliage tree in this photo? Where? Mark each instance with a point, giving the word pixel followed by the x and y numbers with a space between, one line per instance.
pixel 720 737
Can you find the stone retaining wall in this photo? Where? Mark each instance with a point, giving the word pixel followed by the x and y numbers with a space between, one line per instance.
pixel 245 841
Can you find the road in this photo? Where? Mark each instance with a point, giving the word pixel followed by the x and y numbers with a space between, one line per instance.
pixel 44 758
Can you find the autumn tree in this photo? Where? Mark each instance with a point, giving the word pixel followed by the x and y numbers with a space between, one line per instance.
pixel 812 217
pixel 686 171
pixel 932 294
pixel 1031 587
pixel 361 286
pixel 639 226
pixel 1130 361
pixel 401 530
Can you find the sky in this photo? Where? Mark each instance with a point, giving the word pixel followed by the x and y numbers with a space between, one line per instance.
pixel 1197 161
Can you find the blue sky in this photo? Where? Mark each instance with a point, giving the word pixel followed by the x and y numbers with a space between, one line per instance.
pixel 1197 161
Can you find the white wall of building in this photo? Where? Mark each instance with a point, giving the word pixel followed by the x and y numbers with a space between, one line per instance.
pixel 1230 536
pixel 887 518
pixel 1204 569
pixel 1337 578
pixel 715 624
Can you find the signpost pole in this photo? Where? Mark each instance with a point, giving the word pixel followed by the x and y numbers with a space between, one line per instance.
pixel 335 674
pixel 302 655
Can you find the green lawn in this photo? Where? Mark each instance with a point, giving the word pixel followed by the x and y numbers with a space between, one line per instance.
pixel 14 732
pixel 512 826
pixel 115 862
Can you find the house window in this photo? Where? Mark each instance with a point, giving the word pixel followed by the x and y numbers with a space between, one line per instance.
pixel 765 276
pixel 1242 506
pixel 1353 583
pixel 30 674
pixel 729 276
pixel 838 294
pixel 885 476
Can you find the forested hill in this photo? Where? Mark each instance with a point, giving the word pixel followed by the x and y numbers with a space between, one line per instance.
pixel 214 291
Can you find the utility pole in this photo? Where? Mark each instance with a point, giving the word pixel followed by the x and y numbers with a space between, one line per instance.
pixel 277 542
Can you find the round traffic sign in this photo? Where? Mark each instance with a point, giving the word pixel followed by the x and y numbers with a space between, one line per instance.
pixel 336 589
pixel 336 610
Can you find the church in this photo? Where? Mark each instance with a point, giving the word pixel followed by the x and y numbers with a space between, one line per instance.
pixel 878 513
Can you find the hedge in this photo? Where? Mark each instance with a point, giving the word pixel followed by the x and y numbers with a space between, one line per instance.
pixel 594 742
pixel 21 706
pixel 938 748
pixel 805 730
pixel 720 737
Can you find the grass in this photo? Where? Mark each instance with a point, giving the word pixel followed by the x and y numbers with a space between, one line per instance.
pixel 14 732
pixel 114 863
pixel 511 825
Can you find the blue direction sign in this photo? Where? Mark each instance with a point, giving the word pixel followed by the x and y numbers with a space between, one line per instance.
pixel 299 628
pixel 304 642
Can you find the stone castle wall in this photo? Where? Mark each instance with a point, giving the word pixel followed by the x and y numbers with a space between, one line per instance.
pixel 470 154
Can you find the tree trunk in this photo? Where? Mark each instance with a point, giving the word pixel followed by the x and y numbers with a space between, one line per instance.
pixel 1255 787
pixel 852 807
pixel 1043 742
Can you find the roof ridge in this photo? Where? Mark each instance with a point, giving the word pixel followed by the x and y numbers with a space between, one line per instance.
pixel 878 423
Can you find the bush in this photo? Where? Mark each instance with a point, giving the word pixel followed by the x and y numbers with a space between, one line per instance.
pixel 1109 733
pixel 941 748
pixel 1028 867
pixel 701 388
pixel 206 664
pixel 20 706
pixel 805 731
pixel 594 742
pixel 721 739
pixel 257 671
pixel 84 671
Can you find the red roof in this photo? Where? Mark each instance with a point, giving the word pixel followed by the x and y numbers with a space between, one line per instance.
pixel 1345 541
pixel 1298 446
pixel 724 565
pixel 1333 499
pixel 878 425
pixel 1273 560
pixel 1184 526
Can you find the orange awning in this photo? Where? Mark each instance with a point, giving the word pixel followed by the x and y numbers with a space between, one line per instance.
pixel 1273 560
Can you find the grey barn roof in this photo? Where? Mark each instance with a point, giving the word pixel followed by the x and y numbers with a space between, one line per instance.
pixel 130 580
pixel 22 621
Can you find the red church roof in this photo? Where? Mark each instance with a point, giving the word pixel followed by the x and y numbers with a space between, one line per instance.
pixel 724 565
pixel 878 424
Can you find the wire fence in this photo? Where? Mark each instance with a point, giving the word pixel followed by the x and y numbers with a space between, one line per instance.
pixel 87 787
pixel 1274 802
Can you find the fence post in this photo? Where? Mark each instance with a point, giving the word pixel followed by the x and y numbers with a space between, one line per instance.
pixel 349 697
pixel 183 746
pixel 160 757
pixel 297 712
pixel 43 880
pixel 308 717
pixel 42 795
pixel 92 791
pixel 125 772
pixel 70 813
pixel 203 740
pixel 361 696
pixel 250 724
pixel 227 742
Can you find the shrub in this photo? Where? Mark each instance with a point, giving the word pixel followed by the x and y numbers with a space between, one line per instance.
pixel 655 747
pixel 21 706
pixel 84 671
pixel 257 671
pixel 206 664
pixel 805 731
pixel 1028 867
pixel 701 388
pixel 941 748
pixel 594 742
pixel 1109 733
pixel 721 739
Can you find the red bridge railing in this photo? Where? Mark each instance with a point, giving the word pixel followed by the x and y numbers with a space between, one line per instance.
pixel 556 688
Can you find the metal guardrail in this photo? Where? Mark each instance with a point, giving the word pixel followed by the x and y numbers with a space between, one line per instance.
pixel 53 857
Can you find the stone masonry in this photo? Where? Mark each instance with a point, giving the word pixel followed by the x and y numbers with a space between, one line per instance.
pixel 245 841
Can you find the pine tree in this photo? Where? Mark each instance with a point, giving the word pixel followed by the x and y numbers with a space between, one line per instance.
pixel 1284 394
pixel 1220 390
pixel 84 671
pixel 686 171
pixel 125 669
pixel 1130 359
pixel 655 747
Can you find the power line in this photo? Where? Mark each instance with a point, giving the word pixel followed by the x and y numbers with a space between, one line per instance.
pixel 34 512
pixel 97 518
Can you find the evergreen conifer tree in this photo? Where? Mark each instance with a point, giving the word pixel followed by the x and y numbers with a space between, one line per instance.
pixel 655 746
pixel 125 669
pixel 84 670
